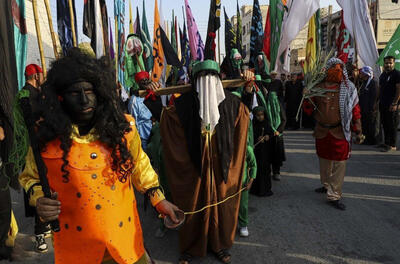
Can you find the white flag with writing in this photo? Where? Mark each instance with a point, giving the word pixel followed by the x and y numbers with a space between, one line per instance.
pixel 358 22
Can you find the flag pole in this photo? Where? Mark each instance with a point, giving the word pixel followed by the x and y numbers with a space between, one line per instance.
pixel 329 27
pixel 219 46
pixel 53 36
pixel 39 36
pixel 116 36
pixel 71 14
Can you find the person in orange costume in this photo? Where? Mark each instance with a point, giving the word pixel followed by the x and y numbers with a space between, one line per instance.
pixel 94 158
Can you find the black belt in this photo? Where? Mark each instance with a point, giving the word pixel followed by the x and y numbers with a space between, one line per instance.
pixel 330 126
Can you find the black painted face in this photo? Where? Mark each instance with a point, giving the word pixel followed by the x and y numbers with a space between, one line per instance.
pixel 80 102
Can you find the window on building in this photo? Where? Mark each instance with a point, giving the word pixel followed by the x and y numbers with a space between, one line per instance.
pixel 244 30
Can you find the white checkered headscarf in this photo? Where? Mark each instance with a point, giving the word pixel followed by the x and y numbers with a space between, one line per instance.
pixel 348 98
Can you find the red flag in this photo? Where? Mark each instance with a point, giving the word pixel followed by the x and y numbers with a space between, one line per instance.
pixel 267 38
pixel 343 41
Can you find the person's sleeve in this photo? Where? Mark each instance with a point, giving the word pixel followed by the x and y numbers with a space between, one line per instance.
pixel 144 177
pixel 283 119
pixel 356 120
pixel 372 96
pixel 251 163
pixel 29 180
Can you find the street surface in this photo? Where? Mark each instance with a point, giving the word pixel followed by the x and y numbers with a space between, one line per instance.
pixel 295 225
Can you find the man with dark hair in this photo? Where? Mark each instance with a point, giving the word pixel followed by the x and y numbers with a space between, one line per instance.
pixel 93 157
pixel 284 79
pixel 389 87
pixel 276 85
pixel 34 80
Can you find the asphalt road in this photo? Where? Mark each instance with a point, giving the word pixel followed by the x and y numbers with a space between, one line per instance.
pixel 295 225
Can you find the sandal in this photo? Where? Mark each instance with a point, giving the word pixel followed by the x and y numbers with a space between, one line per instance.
pixel 185 258
pixel 224 256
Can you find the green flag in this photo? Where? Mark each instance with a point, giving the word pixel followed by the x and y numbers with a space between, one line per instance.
pixel 392 49
pixel 148 49
pixel 277 10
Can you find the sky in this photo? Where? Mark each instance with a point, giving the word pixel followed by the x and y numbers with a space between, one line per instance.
pixel 200 9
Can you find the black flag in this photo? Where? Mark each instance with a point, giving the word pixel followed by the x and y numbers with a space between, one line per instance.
pixel 230 36
pixel 169 52
pixel 214 23
pixel 257 33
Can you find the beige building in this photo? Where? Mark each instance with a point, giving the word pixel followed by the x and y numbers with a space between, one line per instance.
pixel 33 55
pixel 246 12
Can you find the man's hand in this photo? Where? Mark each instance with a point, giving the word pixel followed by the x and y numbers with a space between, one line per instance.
pixel 248 75
pixel 276 133
pixel 393 108
pixel 359 139
pixel 168 209
pixel 2 136
pixel 248 187
pixel 48 209
pixel 154 86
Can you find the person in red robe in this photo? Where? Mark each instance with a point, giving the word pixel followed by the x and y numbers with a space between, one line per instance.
pixel 338 115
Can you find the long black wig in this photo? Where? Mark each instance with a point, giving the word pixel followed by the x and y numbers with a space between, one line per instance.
pixel 109 122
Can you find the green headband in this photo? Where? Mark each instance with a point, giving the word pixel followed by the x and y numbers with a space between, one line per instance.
pixel 207 65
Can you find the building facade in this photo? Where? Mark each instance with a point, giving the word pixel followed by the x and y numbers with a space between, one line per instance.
pixel 246 13
pixel 33 55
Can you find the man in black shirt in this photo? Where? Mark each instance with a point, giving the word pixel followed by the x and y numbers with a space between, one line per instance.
pixel 276 86
pixel 34 79
pixel 368 99
pixel 389 86
pixel 293 95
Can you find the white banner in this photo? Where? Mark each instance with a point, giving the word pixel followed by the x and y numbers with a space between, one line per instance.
pixel 358 22
pixel 299 13
pixel 99 30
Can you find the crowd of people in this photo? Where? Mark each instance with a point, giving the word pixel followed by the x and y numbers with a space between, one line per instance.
pixel 204 150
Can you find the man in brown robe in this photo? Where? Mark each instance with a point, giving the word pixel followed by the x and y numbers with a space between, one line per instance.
pixel 204 153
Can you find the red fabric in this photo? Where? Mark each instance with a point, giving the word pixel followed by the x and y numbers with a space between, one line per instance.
pixel 151 95
pixel 141 75
pixel 267 38
pixel 171 100
pixel 356 116
pixel 331 148
pixel 32 69
pixel 356 112
pixel 308 108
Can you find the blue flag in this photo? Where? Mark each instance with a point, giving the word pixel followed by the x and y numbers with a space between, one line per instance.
pixel 64 25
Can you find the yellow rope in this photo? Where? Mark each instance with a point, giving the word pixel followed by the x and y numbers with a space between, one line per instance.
pixel 215 204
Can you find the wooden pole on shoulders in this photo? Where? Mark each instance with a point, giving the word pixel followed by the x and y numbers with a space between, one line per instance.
pixel 71 14
pixel 39 36
pixel 53 36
